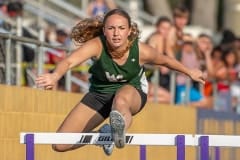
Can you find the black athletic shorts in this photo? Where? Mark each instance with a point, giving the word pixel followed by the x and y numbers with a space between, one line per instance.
pixel 102 102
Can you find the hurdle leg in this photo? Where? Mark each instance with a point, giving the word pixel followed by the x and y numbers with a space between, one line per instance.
pixel 204 148
pixel 29 146
pixel 180 140
pixel 217 153
pixel 143 152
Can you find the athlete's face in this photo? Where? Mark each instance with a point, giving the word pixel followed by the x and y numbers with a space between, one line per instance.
pixel 116 31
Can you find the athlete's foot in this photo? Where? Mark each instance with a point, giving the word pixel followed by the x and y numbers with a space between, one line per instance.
pixel 107 148
pixel 118 128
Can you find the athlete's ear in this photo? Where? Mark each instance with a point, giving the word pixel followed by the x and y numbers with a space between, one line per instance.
pixel 130 31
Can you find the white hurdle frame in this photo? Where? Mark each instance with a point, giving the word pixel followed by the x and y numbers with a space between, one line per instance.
pixel 142 140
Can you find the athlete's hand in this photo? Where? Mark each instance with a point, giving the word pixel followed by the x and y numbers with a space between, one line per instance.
pixel 46 81
pixel 197 75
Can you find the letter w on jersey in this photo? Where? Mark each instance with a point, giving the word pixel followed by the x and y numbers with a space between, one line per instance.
pixel 114 78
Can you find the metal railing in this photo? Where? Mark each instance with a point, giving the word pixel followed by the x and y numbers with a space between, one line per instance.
pixel 69 7
pixel 39 46
pixel 49 14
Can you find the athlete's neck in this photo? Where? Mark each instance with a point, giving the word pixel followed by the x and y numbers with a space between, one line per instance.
pixel 119 52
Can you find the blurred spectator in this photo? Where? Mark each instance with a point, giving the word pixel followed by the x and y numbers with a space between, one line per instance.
pixel 204 47
pixel 175 39
pixel 14 10
pixel 233 70
pixel 189 58
pixel 100 7
pixel 214 68
pixel 219 82
pixel 55 56
pixel 222 101
pixel 3 8
pixel 228 39
pixel 232 64
pixel 62 39
pixel 158 40
pixel 159 37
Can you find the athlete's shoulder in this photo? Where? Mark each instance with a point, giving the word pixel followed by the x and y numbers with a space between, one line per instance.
pixel 92 47
pixel 94 43
pixel 96 40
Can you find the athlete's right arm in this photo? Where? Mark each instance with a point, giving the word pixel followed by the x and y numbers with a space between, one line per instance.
pixel 91 48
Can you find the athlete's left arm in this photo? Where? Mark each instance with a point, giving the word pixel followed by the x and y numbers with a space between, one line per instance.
pixel 149 55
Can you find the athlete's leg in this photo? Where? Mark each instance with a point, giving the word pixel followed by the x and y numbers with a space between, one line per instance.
pixel 126 103
pixel 81 119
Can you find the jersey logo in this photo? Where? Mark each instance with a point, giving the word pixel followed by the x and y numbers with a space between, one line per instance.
pixel 114 78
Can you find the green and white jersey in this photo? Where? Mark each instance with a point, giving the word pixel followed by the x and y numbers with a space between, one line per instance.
pixel 107 76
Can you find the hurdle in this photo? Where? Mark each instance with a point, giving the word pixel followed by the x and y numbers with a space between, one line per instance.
pixel 142 140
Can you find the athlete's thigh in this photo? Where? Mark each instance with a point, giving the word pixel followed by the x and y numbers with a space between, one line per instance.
pixel 81 119
pixel 132 97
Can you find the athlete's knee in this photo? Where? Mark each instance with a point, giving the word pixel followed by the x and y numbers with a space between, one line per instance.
pixel 120 101
pixel 59 148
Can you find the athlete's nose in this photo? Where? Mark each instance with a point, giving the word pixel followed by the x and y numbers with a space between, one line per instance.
pixel 116 32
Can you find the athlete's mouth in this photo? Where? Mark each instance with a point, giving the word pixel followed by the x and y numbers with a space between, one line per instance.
pixel 116 40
